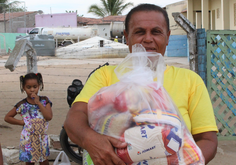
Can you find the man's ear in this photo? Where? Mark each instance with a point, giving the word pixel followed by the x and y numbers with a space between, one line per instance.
pixel 126 37
pixel 168 37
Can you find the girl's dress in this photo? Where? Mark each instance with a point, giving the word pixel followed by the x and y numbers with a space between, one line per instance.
pixel 34 144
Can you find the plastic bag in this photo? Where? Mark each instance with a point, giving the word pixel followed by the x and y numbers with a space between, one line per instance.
pixel 64 159
pixel 139 111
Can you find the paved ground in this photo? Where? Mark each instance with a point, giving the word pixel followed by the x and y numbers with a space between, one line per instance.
pixel 58 74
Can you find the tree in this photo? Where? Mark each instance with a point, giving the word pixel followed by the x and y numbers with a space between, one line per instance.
pixel 6 6
pixel 18 9
pixel 74 12
pixel 71 11
pixel 109 7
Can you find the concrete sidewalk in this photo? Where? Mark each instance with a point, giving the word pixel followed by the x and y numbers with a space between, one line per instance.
pixel 226 153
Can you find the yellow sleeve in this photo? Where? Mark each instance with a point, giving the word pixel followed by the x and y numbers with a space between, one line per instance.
pixel 102 77
pixel 191 97
pixel 201 112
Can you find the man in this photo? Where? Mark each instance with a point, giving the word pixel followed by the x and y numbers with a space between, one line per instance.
pixel 116 39
pixel 148 25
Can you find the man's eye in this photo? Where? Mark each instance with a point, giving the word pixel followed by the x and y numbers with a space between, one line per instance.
pixel 156 32
pixel 138 32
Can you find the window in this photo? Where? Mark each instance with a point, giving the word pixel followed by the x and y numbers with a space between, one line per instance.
pixel 34 31
pixel 217 13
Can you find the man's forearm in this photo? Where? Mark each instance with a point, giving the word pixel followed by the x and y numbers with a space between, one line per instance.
pixel 208 149
pixel 207 142
pixel 76 124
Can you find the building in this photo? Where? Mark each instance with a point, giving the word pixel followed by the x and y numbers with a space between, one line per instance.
pixel 176 7
pixel 178 43
pixel 212 14
pixel 56 20
pixel 11 22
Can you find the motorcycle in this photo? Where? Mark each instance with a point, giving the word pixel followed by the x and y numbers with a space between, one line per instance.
pixel 72 150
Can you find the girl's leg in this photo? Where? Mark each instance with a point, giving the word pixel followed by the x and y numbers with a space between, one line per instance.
pixel 28 163
pixel 44 163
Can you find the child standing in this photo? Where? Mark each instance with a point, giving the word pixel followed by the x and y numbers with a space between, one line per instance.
pixel 36 112
pixel 1 157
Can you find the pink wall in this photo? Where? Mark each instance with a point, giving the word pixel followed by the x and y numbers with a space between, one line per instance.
pixel 56 20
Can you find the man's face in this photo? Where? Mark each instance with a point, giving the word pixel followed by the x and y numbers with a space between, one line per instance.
pixel 149 29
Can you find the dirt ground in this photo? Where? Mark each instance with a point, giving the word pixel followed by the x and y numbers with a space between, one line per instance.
pixel 58 75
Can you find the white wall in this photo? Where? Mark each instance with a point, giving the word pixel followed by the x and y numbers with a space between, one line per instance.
pixel 216 5
pixel 216 17
pixel 176 7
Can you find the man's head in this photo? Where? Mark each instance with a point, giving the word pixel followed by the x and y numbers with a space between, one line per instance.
pixel 148 25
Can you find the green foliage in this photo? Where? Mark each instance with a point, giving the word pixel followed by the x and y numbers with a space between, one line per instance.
pixel 109 7
pixel 7 6
pixel 71 11
pixel 74 12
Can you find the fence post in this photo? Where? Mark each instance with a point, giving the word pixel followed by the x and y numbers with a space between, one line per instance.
pixel 201 51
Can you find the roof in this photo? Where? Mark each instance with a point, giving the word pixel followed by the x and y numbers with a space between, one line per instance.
pixel 88 20
pixel 14 15
pixel 90 48
pixel 116 18
pixel 105 20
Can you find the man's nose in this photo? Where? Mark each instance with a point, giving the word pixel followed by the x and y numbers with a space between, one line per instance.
pixel 148 37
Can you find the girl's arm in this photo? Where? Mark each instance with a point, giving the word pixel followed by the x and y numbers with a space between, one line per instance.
pixel 9 118
pixel 46 111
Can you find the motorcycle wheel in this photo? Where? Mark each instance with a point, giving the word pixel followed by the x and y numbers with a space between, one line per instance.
pixel 73 151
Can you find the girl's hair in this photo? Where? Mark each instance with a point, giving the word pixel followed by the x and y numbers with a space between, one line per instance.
pixel 28 76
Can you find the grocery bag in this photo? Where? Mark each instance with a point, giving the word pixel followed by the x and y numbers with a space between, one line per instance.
pixel 139 111
pixel 63 157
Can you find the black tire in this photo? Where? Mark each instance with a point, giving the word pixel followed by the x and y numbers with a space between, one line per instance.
pixel 70 148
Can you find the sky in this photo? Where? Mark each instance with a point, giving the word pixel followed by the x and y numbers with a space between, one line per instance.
pixel 82 6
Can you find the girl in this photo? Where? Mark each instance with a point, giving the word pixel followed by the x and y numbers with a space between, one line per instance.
pixel 36 112
pixel 1 157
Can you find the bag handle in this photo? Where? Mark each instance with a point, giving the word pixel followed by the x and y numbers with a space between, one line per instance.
pixel 64 159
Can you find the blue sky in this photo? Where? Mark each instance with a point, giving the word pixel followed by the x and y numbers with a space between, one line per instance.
pixel 60 6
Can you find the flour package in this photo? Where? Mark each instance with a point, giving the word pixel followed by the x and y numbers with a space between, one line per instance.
pixel 139 111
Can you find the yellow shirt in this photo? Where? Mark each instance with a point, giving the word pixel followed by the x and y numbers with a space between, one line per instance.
pixel 184 86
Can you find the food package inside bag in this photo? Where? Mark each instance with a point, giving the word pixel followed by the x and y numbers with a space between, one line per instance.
pixel 139 111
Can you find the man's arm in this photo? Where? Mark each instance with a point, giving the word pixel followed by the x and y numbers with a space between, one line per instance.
pixel 207 142
pixel 99 147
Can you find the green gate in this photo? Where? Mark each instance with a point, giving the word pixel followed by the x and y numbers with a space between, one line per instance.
pixel 221 80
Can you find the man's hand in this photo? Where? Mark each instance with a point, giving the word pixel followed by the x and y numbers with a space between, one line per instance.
pixel 101 149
